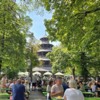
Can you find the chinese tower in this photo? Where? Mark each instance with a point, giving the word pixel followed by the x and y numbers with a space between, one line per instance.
pixel 45 47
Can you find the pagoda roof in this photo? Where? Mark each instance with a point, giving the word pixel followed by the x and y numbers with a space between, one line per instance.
pixel 44 38
pixel 43 43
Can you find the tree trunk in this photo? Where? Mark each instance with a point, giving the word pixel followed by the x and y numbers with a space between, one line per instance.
pixel 73 72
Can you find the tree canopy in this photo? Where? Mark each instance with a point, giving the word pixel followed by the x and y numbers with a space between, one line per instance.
pixel 14 27
pixel 59 59
pixel 76 24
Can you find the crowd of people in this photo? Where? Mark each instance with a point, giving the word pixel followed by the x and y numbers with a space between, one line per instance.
pixel 69 89
pixel 17 88
pixel 72 89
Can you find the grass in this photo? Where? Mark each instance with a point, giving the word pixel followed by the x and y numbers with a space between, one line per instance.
pixel 93 98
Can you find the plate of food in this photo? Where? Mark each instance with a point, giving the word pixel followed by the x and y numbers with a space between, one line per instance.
pixel 59 98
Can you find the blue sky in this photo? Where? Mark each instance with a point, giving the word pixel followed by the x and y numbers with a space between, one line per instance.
pixel 38 27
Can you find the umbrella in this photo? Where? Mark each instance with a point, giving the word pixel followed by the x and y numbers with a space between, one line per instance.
pixel 59 74
pixel 36 73
pixel 21 73
pixel 47 73
pixel 26 73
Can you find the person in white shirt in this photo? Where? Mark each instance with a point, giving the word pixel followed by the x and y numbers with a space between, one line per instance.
pixel 72 93
pixel 57 88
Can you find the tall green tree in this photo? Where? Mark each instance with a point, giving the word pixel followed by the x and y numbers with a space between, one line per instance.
pixel 31 53
pixel 14 25
pixel 76 24
pixel 59 59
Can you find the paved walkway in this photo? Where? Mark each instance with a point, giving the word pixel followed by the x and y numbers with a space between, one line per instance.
pixel 36 95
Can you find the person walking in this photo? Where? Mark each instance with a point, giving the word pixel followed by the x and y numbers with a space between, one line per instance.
pixel 18 91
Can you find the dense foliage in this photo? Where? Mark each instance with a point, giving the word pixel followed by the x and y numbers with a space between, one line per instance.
pixel 76 24
pixel 14 27
pixel 59 59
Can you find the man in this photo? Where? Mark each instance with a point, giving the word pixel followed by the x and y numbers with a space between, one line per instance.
pixel 18 91
pixel 57 89
pixel 65 85
pixel 34 81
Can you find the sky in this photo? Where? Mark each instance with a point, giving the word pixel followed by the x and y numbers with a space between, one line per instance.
pixel 38 27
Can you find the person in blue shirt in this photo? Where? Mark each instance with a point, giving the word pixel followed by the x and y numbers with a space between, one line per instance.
pixel 18 91
pixel 64 84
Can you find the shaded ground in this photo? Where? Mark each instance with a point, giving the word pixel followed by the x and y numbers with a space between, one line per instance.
pixel 36 95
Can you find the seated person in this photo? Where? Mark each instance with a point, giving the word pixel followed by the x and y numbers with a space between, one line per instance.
pixel 73 93
pixel 57 88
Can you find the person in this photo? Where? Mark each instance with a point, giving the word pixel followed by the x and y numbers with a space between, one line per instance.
pixel 65 85
pixel 34 80
pixel 49 89
pixel 81 86
pixel 98 89
pixel 3 83
pixel 72 93
pixel 93 87
pixel 39 82
pixel 18 91
pixel 8 83
pixel 29 82
pixel 57 88
pixel 14 82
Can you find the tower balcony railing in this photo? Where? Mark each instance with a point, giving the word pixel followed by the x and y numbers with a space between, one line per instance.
pixel 44 59
pixel 45 50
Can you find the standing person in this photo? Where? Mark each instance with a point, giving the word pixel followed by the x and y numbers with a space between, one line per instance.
pixel 72 93
pixel 57 88
pixel 65 85
pixel 18 91
pixel 49 89
pixel 28 79
pixel 34 81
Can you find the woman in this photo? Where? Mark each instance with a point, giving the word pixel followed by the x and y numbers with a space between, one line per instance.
pixel 72 93
pixel 81 86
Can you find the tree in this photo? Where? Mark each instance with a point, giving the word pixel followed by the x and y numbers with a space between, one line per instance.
pixel 76 24
pixel 59 59
pixel 31 53
pixel 14 25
